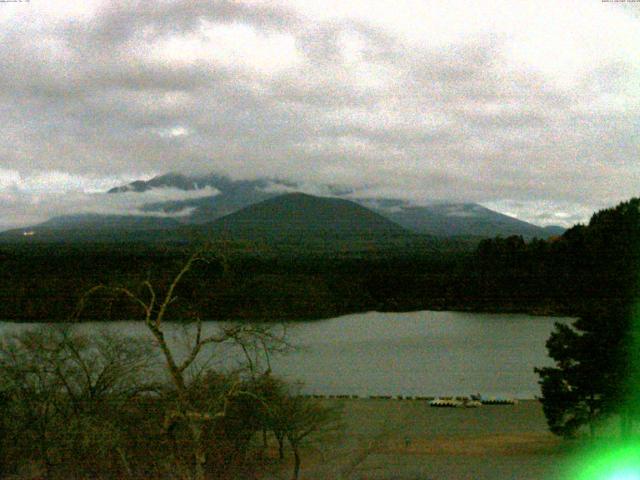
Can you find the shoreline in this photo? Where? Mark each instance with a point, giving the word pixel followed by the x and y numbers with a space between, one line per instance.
pixel 410 398
pixel 403 440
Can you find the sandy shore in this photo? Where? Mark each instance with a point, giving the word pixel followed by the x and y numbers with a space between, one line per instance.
pixel 393 439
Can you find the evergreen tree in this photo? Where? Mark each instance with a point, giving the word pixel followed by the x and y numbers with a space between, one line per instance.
pixel 592 371
pixel 597 364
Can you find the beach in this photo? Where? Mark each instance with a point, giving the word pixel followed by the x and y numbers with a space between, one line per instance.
pixel 409 440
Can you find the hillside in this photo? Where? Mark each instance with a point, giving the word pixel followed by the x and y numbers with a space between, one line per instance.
pixel 233 195
pixel 462 219
pixel 95 227
pixel 298 216
pixel 439 219
pixel 110 222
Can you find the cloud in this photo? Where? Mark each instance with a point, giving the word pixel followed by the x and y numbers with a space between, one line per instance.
pixel 544 213
pixel 499 102
pixel 34 199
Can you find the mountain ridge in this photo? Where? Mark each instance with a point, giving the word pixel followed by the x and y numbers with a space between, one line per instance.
pixel 441 219
pixel 299 214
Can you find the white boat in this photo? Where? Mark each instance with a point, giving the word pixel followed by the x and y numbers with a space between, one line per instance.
pixel 446 402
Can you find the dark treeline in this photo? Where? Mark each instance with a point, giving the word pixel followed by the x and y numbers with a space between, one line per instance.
pixel 587 268
pixel 597 361
pixel 47 281
pixel 564 275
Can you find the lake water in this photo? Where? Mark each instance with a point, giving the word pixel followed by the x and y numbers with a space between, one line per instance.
pixel 418 353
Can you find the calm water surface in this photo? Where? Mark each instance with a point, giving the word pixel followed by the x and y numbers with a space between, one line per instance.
pixel 418 353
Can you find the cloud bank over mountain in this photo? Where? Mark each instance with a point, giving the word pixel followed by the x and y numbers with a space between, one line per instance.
pixel 32 199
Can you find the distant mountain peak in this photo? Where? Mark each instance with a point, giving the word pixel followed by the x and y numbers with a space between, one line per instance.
pixel 441 219
pixel 169 180
pixel 297 215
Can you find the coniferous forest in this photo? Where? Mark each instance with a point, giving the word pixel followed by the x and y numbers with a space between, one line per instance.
pixel 565 275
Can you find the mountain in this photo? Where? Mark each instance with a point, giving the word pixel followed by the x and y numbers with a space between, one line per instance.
pixel 440 219
pixel 298 216
pixel 554 230
pixel 466 220
pixel 173 180
pixel 460 219
pixel 233 194
pixel 90 227
pixel 109 222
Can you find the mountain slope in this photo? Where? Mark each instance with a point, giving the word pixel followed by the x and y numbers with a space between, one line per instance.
pixel 174 180
pixel 466 220
pixel 442 219
pixel 233 195
pixel 109 222
pixel 95 227
pixel 462 219
pixel 298 216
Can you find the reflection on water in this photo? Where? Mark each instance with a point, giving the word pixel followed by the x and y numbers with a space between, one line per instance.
pixel 418 353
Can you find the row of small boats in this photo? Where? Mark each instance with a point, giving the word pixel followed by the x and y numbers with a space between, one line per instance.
pixel 471 401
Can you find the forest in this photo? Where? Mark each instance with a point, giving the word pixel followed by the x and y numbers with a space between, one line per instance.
pixel 564 275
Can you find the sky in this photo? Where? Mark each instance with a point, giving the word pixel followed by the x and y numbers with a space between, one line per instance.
pixel 529 108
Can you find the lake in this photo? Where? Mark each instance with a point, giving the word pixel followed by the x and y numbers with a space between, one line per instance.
pixel 417 353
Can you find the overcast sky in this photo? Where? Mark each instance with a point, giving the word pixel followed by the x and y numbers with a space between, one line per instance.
pixel 528 107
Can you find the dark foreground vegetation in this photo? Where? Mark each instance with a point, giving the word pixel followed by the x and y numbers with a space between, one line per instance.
pixel 585 267
pixel 597 359
pixel 109 407
pixel 79 407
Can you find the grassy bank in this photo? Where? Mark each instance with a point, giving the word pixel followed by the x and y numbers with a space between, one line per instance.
pixel 392 439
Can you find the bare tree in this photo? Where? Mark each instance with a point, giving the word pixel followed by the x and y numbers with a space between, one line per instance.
pixel 258 344
pixel 257 350
pixel 155 306
pixel 63 391
pixel 33 396
pixel 300 419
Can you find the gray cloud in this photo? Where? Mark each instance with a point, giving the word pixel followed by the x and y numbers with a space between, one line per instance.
pixel 28 201
pixel 507 113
